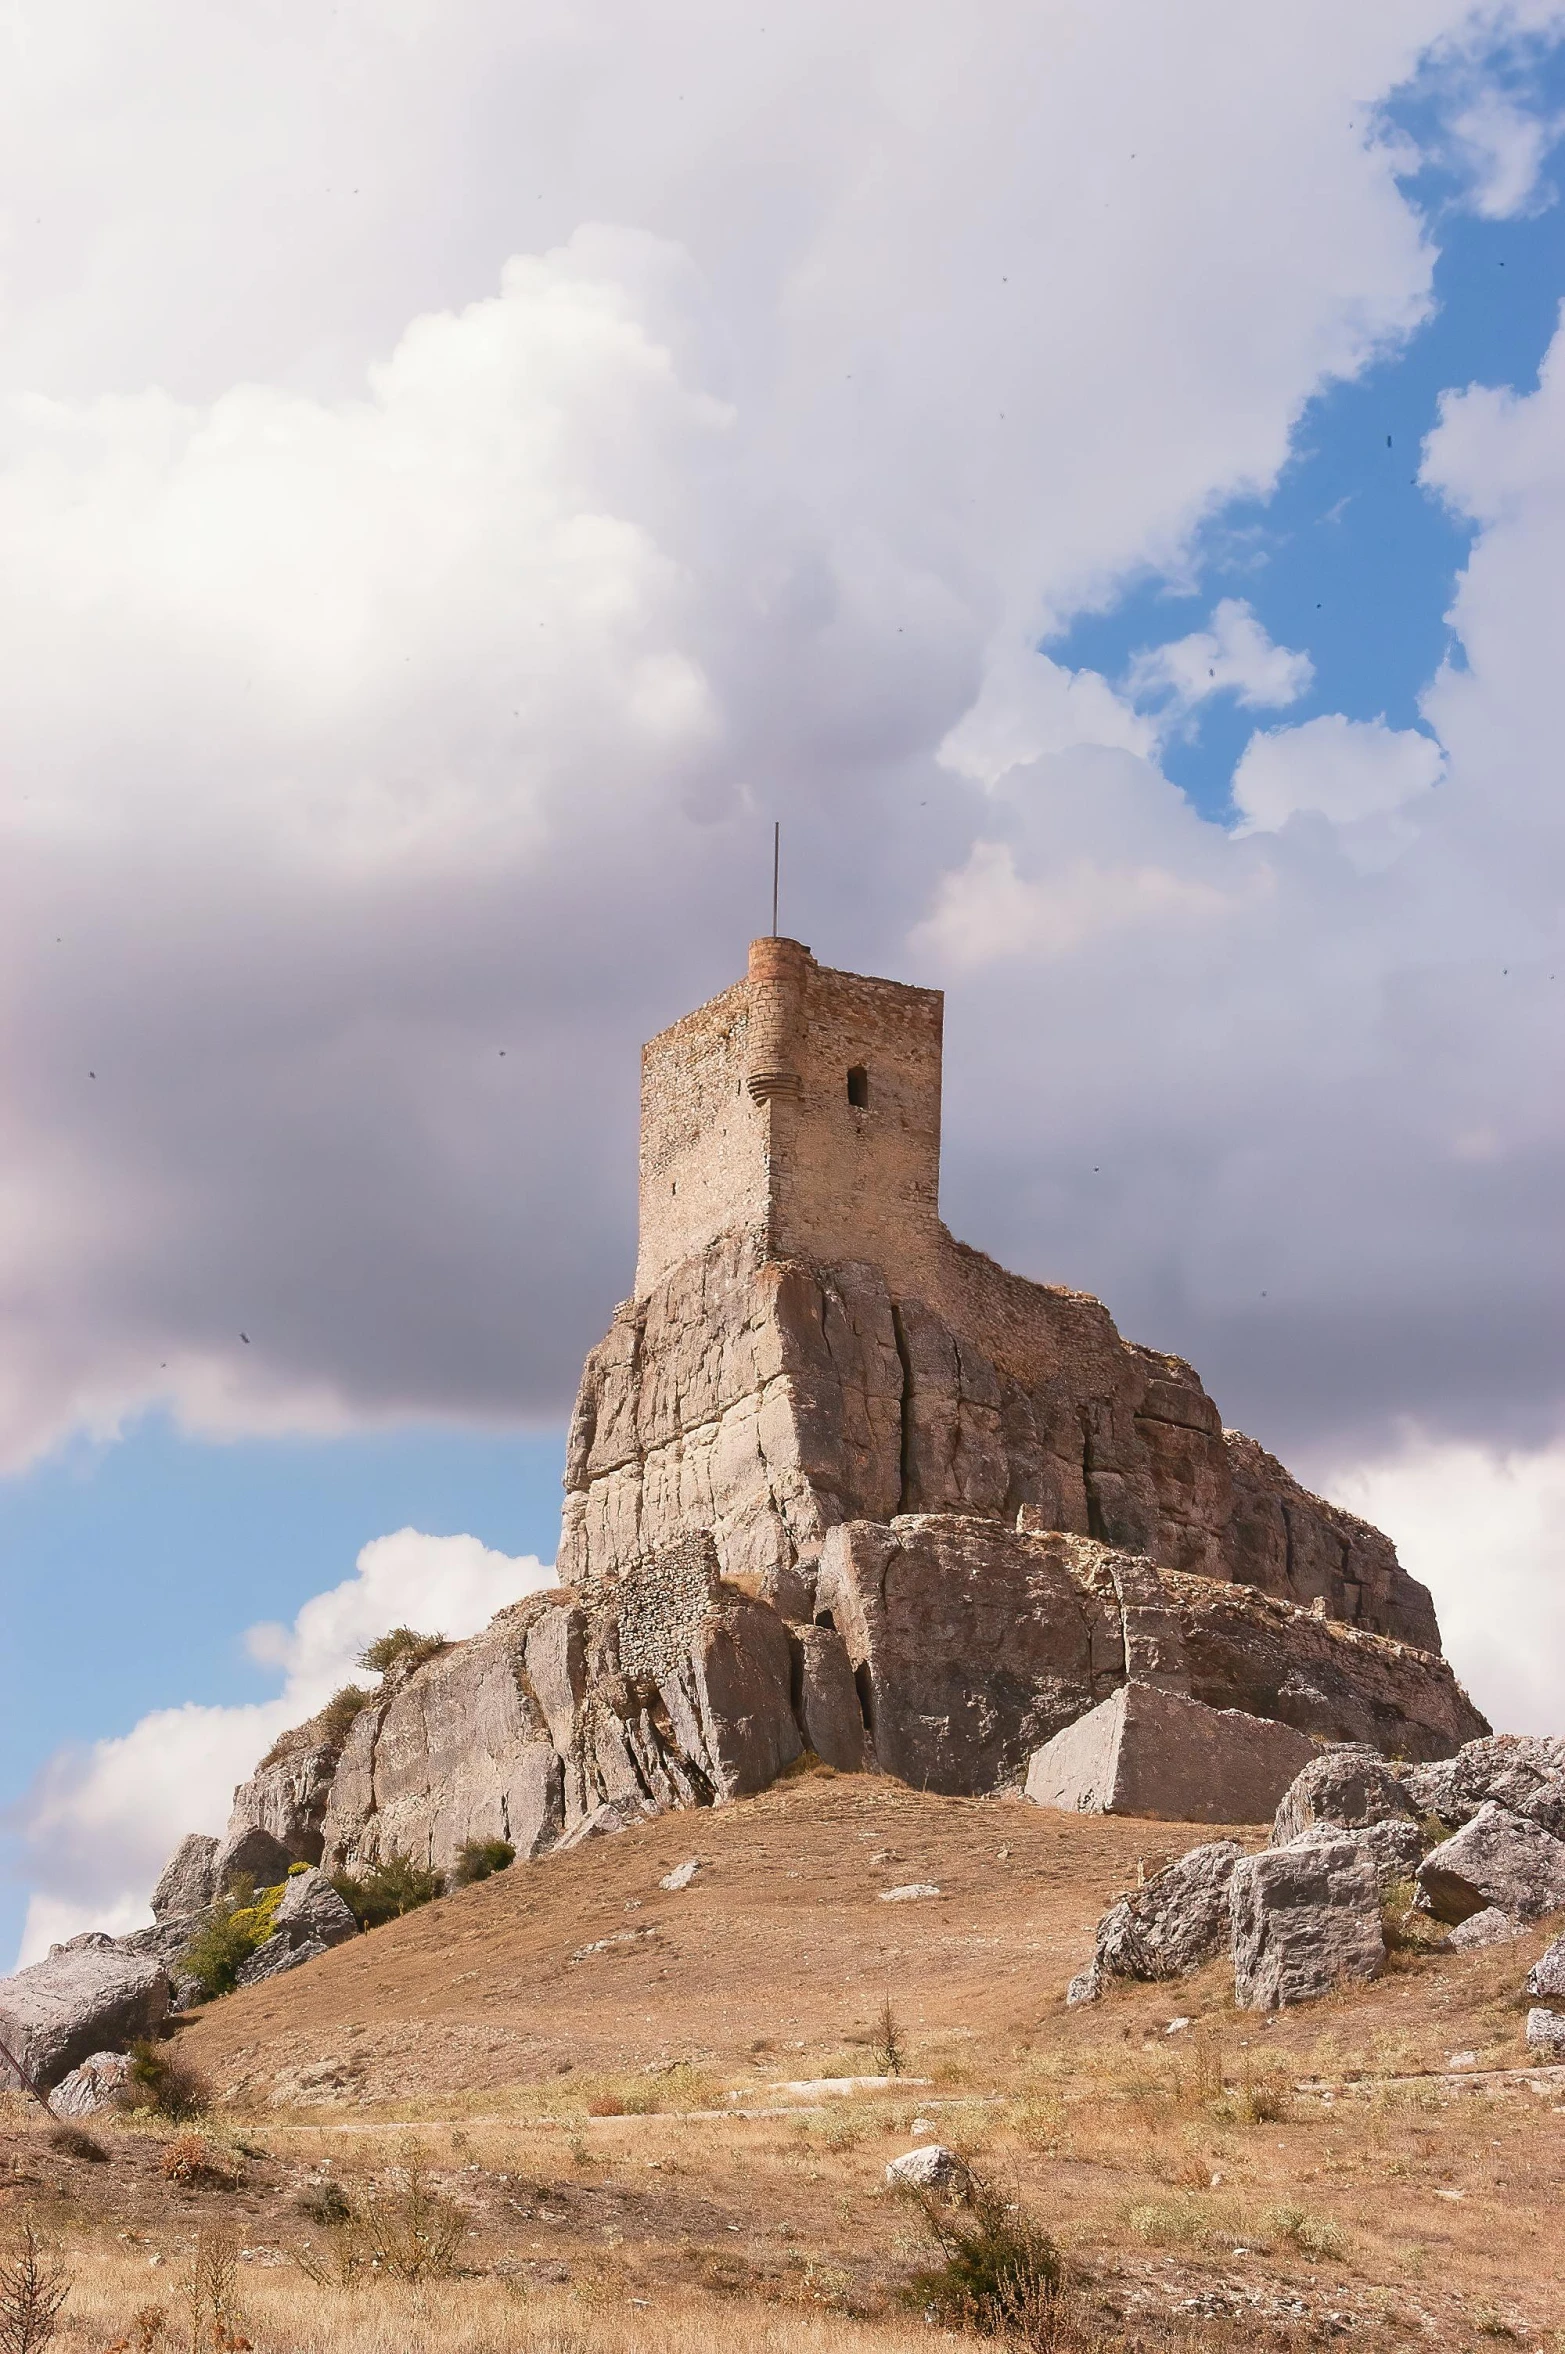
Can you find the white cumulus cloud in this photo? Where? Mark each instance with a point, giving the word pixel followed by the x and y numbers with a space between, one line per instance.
pixel 1234 657
pixel 101 1820
pixel 1344 769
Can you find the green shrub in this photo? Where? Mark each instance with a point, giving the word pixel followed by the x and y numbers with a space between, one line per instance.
pixel 238 1922
pixel 164 2084
pixel 394 1886
pixel 396 1645
pixel 477 1858
pixel 999 2269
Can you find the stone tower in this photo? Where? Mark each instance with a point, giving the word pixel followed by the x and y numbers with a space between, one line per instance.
pixel 804 1106
pixel 807 1346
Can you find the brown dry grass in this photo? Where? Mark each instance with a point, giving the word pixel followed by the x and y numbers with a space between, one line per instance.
pixel 582 2107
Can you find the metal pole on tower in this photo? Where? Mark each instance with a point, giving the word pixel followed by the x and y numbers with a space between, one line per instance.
pixel 776 862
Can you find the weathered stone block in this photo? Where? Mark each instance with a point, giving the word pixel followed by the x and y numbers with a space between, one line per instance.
pixel 827 1700
pixel 1150 1752
pixel 1178 1921
pixel 1304 1919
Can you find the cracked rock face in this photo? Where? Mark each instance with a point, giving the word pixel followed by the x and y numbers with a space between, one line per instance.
pixel 1523 1772
pixel 1179 1920
pixel 770 1401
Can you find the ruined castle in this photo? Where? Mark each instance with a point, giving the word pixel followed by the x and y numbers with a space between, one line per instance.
pixel 838 1484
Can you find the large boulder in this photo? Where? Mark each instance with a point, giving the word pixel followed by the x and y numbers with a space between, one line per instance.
pixel 1304 1919
pixel 1546 2033
pixel 96 2083
pixel 250 1858
pixel 1523 1772
pixel 1343 1788
pixel 85 1998
pixel 743 1675
pixel 972 1644
pixel 1149 1752
pixel 1179 1920
pixel 1498 1858
pixel 188 1881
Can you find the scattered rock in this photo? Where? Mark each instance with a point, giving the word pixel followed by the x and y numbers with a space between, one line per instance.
pixel 1498 1858
pixel 77 2003
pixel 602 1823
pixel 1522 1771
pixel 681 1876
pixel 1156 1753
pixel 1345 1788
pixel 1547 1975
pixel 1179 1920
pixel 1305 1919
pixel 932 2168
pixel 95 2083
pixel 914 1888
pixel 189 1878
pixel 1490 1927
pixel 1546 2033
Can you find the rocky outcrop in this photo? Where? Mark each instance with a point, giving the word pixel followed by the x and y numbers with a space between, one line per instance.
pixel 1547 1975
pixel 769 1401
pixel 974 1644
pixel 1523 1772
pixel 87 1997
pixel 1391 1849
pixel 1178 1921
pixel 1497 1859
pixel 1151 1752
pixel 1344 1789
pixel 1304 1919
pixel 971 1645
pixel 289 1791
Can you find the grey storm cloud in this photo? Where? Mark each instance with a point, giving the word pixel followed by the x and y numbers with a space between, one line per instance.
pixel 546 454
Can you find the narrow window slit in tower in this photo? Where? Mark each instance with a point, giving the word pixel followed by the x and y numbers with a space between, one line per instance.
pixel 858 1087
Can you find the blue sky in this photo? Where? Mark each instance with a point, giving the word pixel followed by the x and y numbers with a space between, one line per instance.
pixel 1349 558
pixel 513 543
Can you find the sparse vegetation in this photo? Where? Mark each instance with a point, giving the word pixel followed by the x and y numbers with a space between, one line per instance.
pixel 164 2084
pixel 409 2232
pixel 210 2293
pixel 74 2141
pixel 238 1923
pixel 329 1723
pixel 886 2044
pixel 399 1647
pixel 386 1890
pixel 193 2162
pixel 34 2284
pixel 999 2271
pixel 477 1859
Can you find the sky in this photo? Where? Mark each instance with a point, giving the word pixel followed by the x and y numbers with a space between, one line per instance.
pixel 1093 473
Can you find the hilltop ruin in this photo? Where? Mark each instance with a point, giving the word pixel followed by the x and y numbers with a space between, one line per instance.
pixel 837 1483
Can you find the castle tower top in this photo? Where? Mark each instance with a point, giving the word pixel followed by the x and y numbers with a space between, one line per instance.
pixel 802 1104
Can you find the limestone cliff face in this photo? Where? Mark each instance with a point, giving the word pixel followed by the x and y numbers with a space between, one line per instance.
pixel 770 1401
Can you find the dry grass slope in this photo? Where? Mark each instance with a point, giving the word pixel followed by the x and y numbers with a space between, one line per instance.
pixel 601 2079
